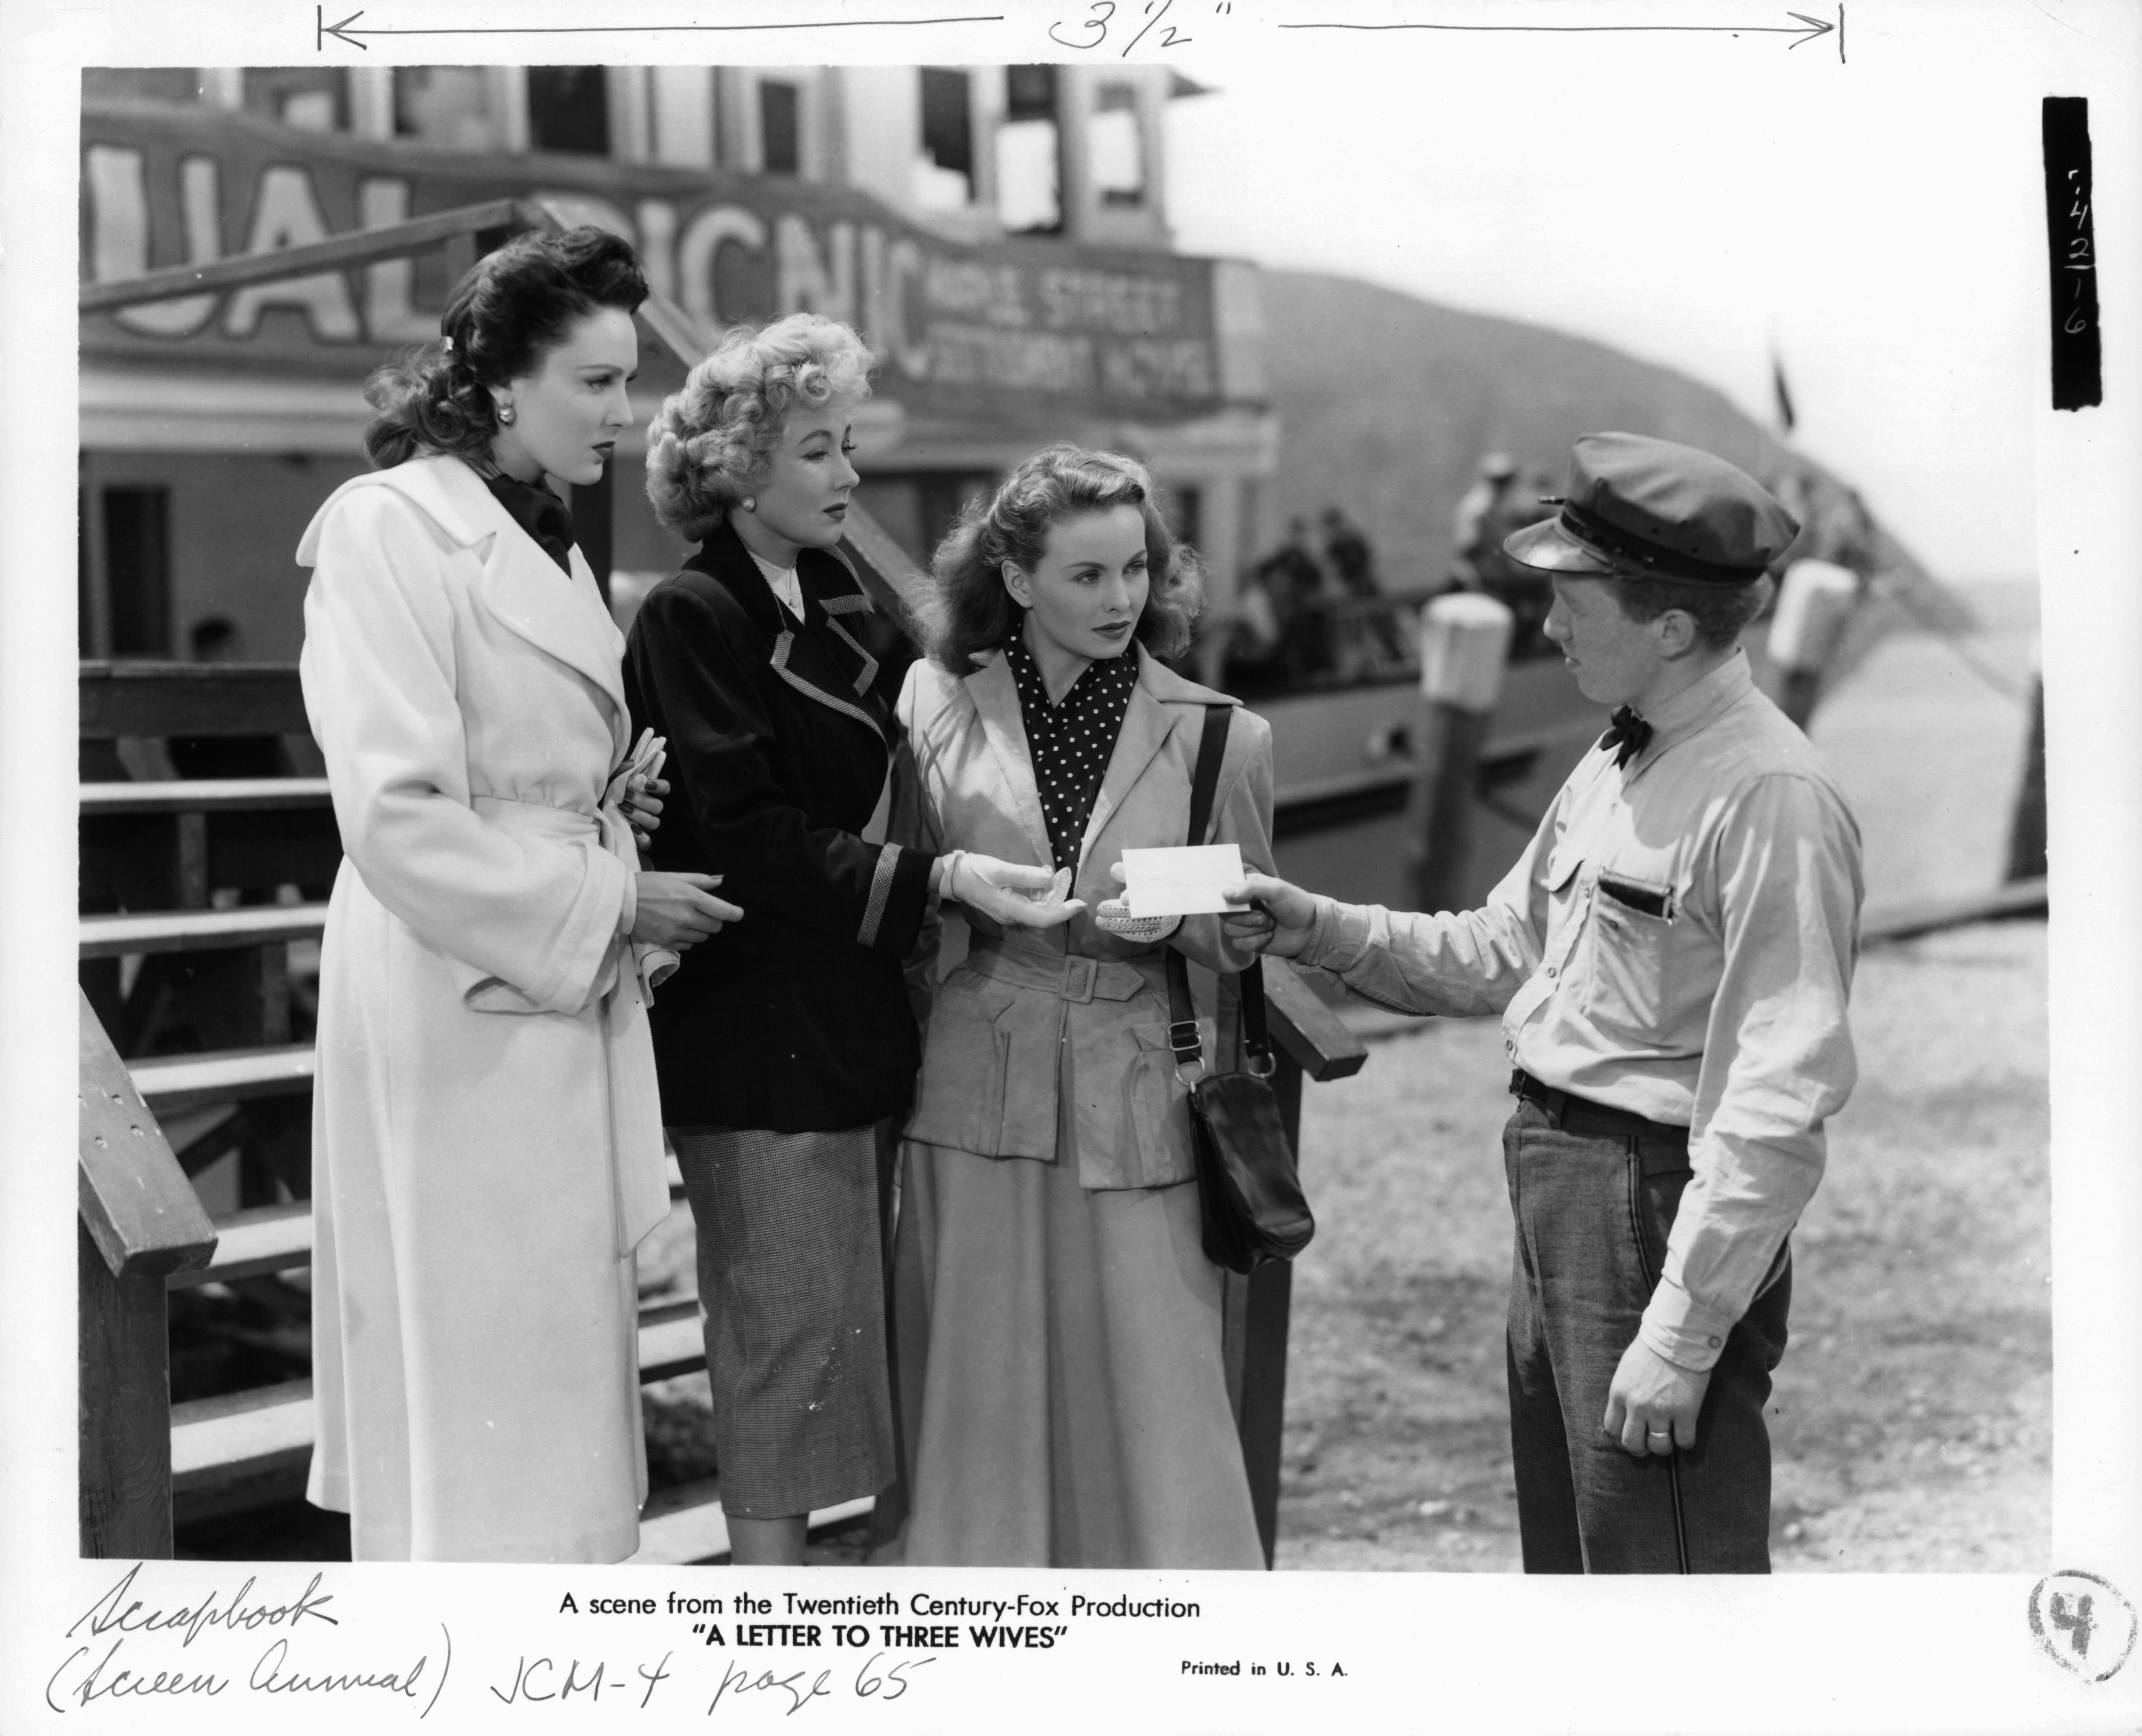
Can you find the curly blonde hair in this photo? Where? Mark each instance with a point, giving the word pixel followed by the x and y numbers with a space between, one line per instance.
pixel 710 443
pixel 967 612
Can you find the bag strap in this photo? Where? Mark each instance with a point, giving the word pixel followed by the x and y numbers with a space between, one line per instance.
pixel 1182 1011
pixel 1205 781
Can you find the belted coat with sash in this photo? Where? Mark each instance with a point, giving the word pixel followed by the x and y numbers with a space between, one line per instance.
pixel 1031 1015
pixel 486 1142
pixel 781 738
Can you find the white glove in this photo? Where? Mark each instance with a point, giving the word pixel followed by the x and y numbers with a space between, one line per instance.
pixel 1113 916
pixel 1010 892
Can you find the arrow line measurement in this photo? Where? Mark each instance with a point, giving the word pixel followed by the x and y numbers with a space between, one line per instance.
pixel 322 30
pixel 1806 30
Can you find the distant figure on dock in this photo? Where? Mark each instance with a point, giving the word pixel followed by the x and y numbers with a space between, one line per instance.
pixel 1293 583
pixel 1496 506
pixel 1671 956
pixel 1352 561
pixel 1370 643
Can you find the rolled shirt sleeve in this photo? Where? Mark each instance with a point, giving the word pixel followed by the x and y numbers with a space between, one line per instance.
pixel 1777 1060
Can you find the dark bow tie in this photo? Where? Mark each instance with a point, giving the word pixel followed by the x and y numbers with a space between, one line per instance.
pixel 539 512
pixel 1627 735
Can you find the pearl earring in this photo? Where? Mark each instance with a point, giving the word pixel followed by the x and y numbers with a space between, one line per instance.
pixel 506 414
pixel 750 503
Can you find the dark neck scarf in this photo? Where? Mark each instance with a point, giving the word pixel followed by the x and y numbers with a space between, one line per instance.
pixel 1627 735
pixel 1071 741
pixel 539 512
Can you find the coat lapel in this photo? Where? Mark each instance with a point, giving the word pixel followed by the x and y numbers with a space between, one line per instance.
pixel 797 658
pixel 995 695
pixel 563 616
pixel 1148 721
pixel 1146 724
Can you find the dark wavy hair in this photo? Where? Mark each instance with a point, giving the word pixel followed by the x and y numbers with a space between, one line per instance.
pixel 511 309
pixel 967 610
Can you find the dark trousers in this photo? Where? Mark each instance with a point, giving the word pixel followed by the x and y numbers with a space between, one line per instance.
pixel 1593 1194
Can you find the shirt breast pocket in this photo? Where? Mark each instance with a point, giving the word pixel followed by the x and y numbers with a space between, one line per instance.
pixel 1631 924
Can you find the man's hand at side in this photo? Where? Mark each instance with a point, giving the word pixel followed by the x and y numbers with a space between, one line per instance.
pixel 1652 1404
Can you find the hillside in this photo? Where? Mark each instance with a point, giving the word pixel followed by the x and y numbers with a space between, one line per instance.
pixel 1386 403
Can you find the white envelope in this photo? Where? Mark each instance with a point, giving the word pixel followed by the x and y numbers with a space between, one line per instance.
pixel 1184 881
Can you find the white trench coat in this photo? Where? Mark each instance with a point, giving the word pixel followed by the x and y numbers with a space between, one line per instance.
pixel 486 1137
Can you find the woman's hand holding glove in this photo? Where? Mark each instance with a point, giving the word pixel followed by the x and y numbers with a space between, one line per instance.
pixel 1008 892
pixel 1114 917
pixel 678 910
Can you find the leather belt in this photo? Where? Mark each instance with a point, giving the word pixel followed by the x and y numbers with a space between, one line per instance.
pixel 1574 1114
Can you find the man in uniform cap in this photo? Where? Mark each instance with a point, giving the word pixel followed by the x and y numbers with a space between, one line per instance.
pixel 1671 956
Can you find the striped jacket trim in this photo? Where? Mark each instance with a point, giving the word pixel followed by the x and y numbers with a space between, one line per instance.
pixel 869 673
pixel 781 647
pixel 888 865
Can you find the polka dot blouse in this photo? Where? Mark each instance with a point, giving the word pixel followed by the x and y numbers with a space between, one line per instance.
pixel 1071 742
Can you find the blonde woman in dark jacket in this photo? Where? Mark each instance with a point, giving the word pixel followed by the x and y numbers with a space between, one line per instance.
pixel 1062 1390
pixel 785 1045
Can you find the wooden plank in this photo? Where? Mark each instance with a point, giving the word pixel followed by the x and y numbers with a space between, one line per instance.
pixel 266 1429
pixel 123 1410
pixel 135 1201
pixel 1909 921
pixel 104 937
pixel 216 1441
pixel 1311 1031
pixel 193 862
pixel 882 564
pixel 337 253
pixel 169 1084
pixel 179 698
pixel 685 1526
pixel 253 1243
pixel 205 795
pixel 670 1341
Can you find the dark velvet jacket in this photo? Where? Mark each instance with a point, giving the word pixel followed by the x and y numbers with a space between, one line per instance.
pixel 796 1018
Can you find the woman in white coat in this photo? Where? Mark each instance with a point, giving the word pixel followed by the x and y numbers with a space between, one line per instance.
pixel 486 1137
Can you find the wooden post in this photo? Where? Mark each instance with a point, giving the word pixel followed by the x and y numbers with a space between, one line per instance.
pixel 2026 827
pixel 1464 645
pixel 1310 1043
pixel 1814 603
pixel 140 1222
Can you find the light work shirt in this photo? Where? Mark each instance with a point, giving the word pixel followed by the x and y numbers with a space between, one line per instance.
pixel 1677 940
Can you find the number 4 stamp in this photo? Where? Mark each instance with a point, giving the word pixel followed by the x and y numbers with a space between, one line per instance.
pixel 2082 1623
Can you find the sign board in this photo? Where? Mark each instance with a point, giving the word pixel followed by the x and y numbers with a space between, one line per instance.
pixel 1008 328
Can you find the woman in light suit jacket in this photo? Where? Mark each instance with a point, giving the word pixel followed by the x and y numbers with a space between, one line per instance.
pixel 486 1142
pixel 1064 1394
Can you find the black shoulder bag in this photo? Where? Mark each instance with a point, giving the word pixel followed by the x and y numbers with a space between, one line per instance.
pixel 1249 1191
